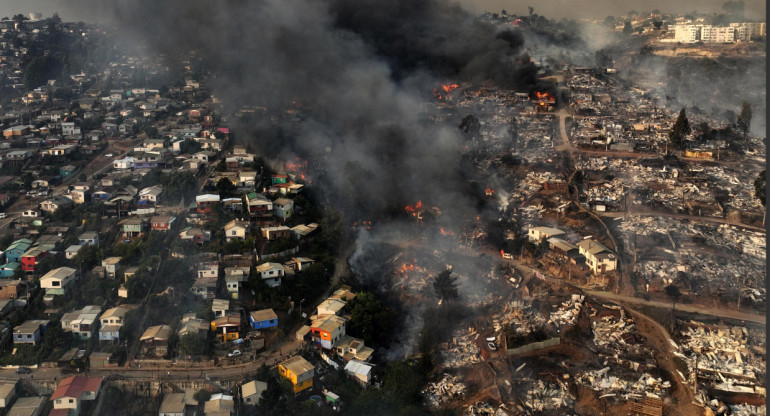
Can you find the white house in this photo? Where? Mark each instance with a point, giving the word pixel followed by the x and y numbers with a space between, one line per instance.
pixel 271 273
pixel 125 163
pixel 74 390
pixel 538 233
pixel 251 392
pixel 359 371
pixel 598 257
pixel 72 251
pixel 236 230
pixel 57 281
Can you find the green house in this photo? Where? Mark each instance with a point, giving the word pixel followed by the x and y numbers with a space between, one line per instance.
pixel 67 171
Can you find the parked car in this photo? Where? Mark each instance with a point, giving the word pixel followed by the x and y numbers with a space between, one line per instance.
pixel 2 215
pixel 234 353
pixel 23 370
pixel 108 155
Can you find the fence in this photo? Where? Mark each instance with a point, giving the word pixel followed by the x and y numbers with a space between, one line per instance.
pixel 534 346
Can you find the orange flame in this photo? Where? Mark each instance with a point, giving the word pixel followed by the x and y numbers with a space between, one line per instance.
pixel 444 232
pixel 449 87
pixel 414 208
pixel 502 253
pixel 489 191
pixel 408 268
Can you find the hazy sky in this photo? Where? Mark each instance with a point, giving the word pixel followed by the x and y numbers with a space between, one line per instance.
pixel 550 8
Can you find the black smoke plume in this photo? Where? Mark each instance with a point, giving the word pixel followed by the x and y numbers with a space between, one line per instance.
pixel 359 71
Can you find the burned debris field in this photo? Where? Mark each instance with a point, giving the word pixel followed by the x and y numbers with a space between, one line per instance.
pixel 269 207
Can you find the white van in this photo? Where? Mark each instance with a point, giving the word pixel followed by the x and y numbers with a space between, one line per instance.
pixel 2 215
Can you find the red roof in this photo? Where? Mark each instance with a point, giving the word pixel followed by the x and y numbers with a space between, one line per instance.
pixel 59 412
pixel 74 386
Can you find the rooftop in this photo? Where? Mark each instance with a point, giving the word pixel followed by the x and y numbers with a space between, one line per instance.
pixel 297 365
pixel 74 386
pixel 263 315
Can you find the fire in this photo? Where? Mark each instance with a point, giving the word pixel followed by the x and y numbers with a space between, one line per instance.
pixel 489 191
pixel 449 87
pixel 409 267
pixel 446 88
pixel 502 253
pixel 414 209
pixel 445 232
pixel 544 97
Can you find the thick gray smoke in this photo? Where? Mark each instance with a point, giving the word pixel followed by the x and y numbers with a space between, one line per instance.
pixel 357 71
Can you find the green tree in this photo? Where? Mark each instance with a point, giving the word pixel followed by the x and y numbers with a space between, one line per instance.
pixel 445 286
pixel 679 131
pixel 226 188
pixel 370 319
pixel 760 190
pixel 193 343
pixel 744 119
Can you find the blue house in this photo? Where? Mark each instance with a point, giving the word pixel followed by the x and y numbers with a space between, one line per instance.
pixel 7 270
pixel 16 249
pixel 29 332
pixel 266 318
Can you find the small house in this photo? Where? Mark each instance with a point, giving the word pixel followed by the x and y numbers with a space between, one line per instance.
pixel 236 230
pixel 75 390
pixel 88 237
pixel 161 222
pixel 327 330
pixel 598 257
pixel 283 208
pixel 29 332
pixel 227 328
pixel 299 371
pixel 538 233
pixel 265 318
pixel 271 273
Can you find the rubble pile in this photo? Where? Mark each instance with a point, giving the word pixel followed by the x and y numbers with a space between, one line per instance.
pixel 531 184
pixel 448 388
pixel 545 396
pixel 709 273
pixel 610 333
pixel 722 350
pixel 719 408
pixel 484 409
pixel 520 317
pixel 462 350
pixel 568 311
pixel 646 385
pixel 747 410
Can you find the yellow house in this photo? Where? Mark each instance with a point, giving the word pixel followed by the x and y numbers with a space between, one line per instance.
pixel 227 328
pixel 298 371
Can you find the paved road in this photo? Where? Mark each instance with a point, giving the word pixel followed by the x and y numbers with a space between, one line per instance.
pixel 685 307
pixel 274 355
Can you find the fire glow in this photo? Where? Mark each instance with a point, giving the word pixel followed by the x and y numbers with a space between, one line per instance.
pixel 489 191
pixel 414 209
pixel 446 88
pixel 543 98
pixel 445 232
